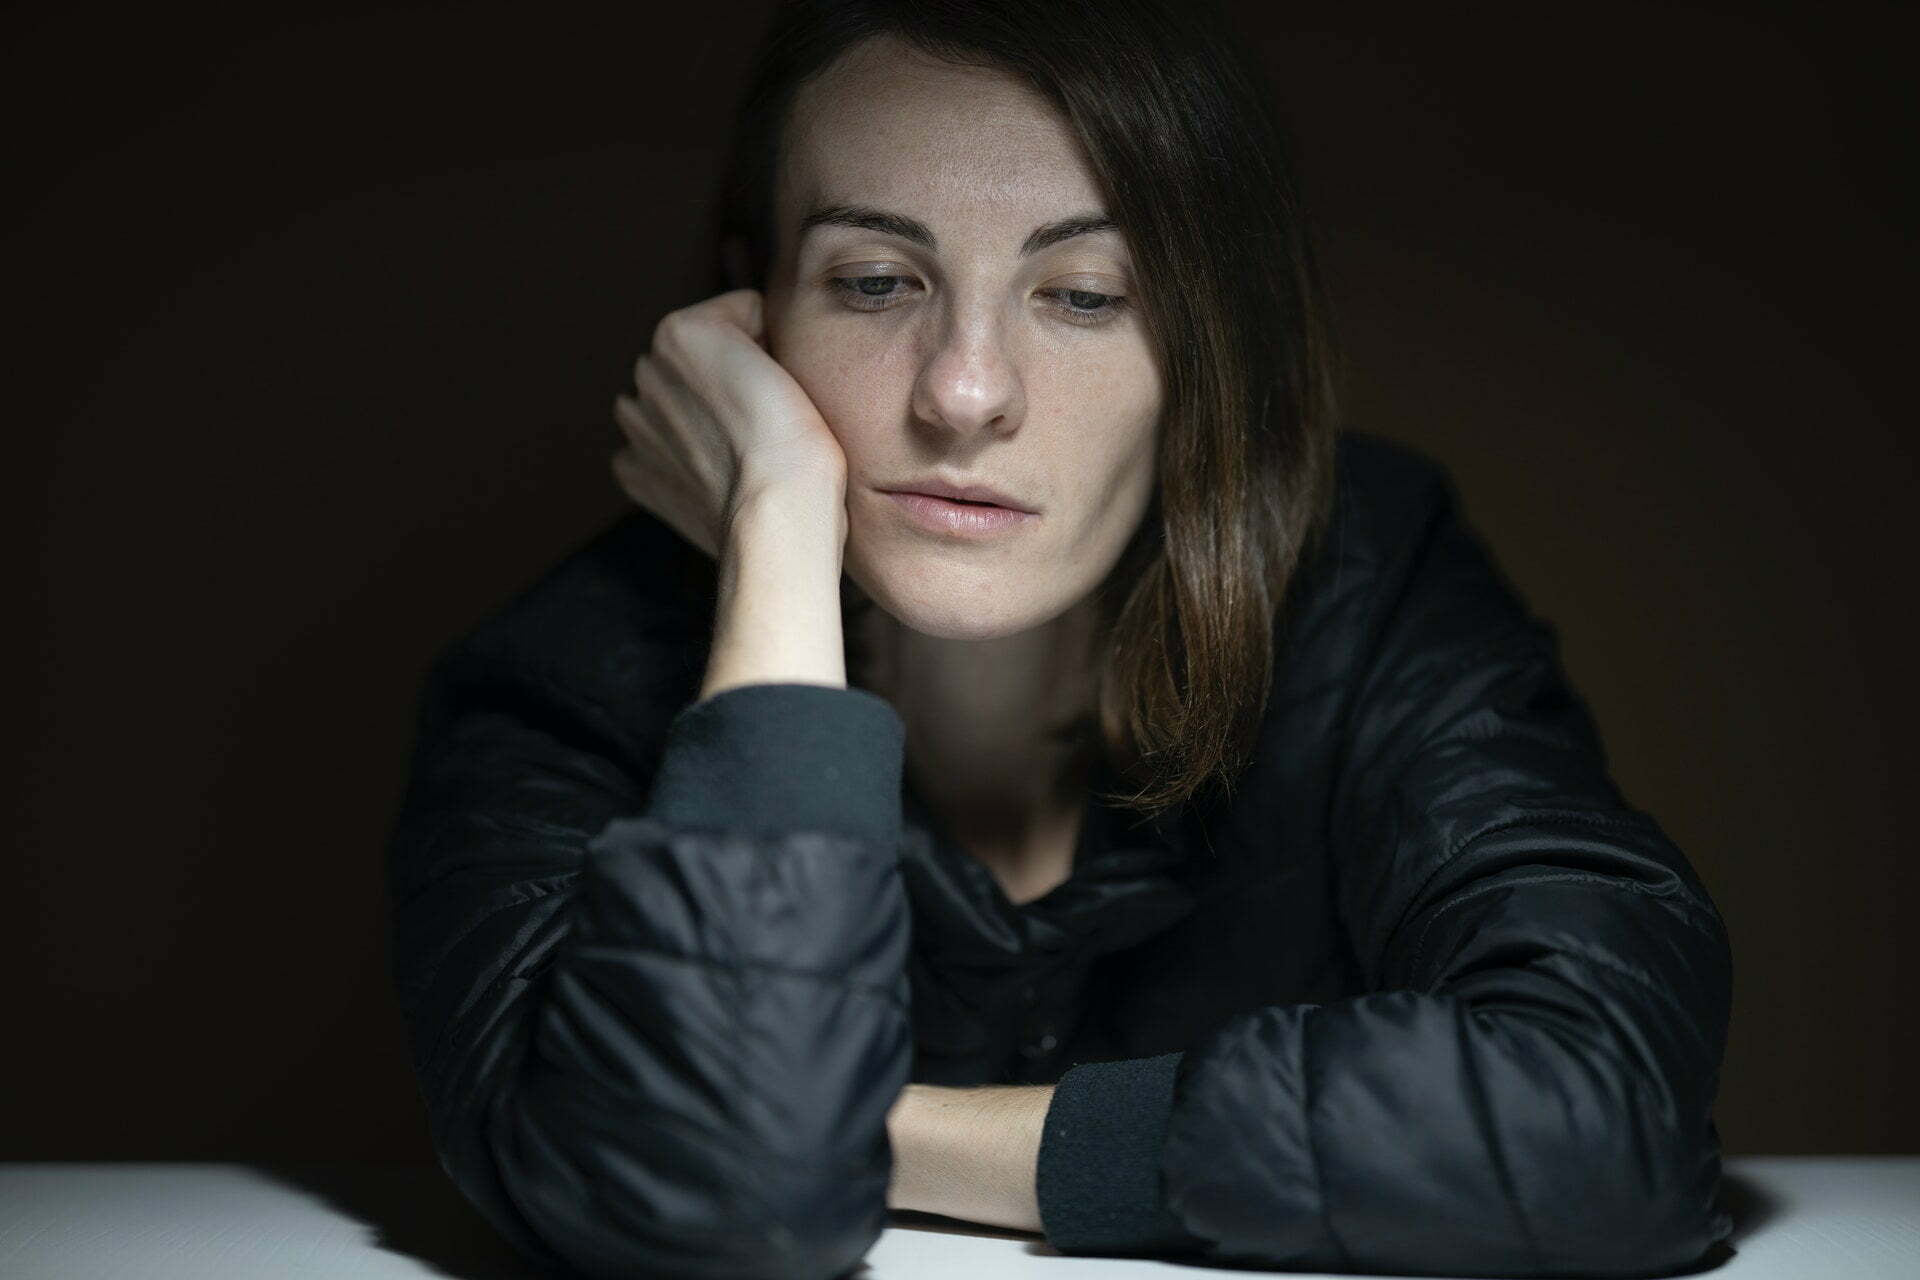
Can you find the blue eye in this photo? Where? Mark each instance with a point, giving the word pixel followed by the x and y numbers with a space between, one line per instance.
pixel 1078 306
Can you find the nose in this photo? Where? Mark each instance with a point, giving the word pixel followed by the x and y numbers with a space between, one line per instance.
pixel 970 383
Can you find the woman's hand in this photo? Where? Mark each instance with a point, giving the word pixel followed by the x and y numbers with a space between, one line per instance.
pixel 717 420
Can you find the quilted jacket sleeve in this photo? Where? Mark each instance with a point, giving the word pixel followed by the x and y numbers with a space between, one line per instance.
pixel 656 1035
pixel 1526 1088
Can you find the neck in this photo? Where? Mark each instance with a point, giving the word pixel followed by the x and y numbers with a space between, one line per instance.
pixel 988 742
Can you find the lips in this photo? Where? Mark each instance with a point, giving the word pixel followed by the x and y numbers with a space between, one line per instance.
pixel 981 494
pixel 952 517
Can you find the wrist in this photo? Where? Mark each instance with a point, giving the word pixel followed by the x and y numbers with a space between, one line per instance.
pixel 903 1190
pixel 803 495
pixel 778 611
pixel 969 1152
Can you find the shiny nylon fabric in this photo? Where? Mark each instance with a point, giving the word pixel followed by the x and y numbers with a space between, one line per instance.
pixel 975 953
pixel 1445 1003
pixel 674 1057
pixel 1524 1085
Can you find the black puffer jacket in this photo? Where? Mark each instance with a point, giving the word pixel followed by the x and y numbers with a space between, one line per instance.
pixel 1425 996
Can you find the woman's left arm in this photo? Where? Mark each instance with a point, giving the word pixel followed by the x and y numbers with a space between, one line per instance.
pixel 968 1153
pixel 1527 1086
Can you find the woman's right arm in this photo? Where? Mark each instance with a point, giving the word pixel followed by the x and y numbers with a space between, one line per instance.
pixel 663 1039
pixel 778 613
pixel 659 1039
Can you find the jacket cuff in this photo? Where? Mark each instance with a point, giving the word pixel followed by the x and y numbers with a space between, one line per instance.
pixel 1098 1180
pixel 777 758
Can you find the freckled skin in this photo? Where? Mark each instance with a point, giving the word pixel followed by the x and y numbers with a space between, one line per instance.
pixel 976 366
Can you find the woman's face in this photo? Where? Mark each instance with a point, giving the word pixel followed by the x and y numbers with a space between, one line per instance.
pixel 945 343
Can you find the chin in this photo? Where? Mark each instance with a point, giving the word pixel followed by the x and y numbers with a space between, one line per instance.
pixel 957 606
pixel 957 625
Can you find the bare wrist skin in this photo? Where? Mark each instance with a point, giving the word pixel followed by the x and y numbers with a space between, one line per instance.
pixel 969 1153
pixel 777 619
pixel 797 488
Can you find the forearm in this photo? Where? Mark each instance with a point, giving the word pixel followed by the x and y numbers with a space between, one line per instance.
pixel 777 619
pixel 969 1153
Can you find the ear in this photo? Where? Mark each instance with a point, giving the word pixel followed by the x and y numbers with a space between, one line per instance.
pixel 733 262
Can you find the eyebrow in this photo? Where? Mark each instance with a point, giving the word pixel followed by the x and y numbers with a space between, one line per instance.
pixel 912 229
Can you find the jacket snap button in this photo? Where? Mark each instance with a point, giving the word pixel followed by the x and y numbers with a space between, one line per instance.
pixel 1034 1048
pixel 1029 996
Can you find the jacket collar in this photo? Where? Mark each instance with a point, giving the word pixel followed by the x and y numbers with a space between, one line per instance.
pixel 1131 879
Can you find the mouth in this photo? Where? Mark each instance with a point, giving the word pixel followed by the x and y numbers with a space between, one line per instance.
pixel 958 517
pixel 968 493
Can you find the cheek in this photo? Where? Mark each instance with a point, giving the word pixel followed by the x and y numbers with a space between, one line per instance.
pixel 1131 486
pixel 838 378
pixel 1116 429
pixel 845 369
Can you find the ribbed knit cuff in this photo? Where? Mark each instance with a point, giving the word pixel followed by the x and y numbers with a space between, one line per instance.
pixel 1099 1172
pixel 772 758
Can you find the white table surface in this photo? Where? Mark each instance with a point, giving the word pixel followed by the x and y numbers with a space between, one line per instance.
pixel 1798 1217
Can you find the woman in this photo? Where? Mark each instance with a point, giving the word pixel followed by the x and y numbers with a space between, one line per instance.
pixel 1194 850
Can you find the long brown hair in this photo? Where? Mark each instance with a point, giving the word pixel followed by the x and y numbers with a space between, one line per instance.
pixel 1190 150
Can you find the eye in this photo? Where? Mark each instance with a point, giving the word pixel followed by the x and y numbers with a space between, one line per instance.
pixel 862 298
pixel 1084 306
pixel 1077 306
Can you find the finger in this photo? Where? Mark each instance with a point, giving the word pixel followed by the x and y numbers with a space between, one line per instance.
pixel 626 475
pixel 657 441
pixel 664 411
pixel 743 308
pixel 666 386
pixel 659 500
pixel 639 481
pixel 631 418
pixel 647 416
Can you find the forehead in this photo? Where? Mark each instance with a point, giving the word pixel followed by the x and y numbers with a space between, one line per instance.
pixel 887 125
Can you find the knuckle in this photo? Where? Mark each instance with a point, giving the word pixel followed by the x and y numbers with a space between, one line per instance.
pixel 646 374
pixel 667 333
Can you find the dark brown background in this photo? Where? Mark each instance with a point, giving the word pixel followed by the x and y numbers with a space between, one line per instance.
pixel 322 321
